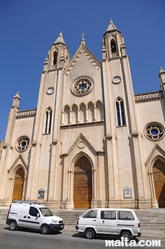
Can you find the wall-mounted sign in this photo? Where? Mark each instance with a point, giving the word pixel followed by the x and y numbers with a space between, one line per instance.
pixel 41 193
pixel 127 192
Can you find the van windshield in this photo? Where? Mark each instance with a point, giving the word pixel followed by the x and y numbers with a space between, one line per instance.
pixel 46 212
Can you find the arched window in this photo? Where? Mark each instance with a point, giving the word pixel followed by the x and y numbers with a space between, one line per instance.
pixel 120 112
pixel 48 121
pixel 113 48
pixel 55 58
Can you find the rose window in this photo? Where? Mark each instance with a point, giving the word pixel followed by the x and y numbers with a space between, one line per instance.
pixel 154 131
pixel 22 144
pixel 82 86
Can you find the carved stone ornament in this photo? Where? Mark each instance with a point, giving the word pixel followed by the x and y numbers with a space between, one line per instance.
pixel 82 86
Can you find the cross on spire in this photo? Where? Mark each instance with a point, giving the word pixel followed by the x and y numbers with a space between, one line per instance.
pixel 82 35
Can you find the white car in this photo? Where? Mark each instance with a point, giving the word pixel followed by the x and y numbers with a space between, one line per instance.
pixel 121 222
pixel 31 215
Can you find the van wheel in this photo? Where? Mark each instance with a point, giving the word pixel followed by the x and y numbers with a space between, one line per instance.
pixel 13 225
pixel 126 235
pixel 44 229
pixel 90 233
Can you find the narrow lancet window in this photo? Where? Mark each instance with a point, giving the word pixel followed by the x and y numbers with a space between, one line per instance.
pixel 113 48
pixel 120 115
pixel 55 58
pixel 48 121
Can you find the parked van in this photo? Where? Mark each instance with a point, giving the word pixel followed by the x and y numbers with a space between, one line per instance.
pixel 121 222
pixel 25 214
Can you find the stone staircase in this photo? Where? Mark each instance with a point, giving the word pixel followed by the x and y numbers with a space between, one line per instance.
pixel 150 219
pixel 3 214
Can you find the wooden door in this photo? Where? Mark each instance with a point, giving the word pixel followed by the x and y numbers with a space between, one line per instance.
pixel 82 184
pixel 18 185
pixel 159 181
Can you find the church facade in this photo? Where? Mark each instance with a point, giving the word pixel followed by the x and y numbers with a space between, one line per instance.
pixel 91 142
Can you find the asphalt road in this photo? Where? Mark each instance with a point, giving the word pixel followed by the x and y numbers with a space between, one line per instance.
pixel 28 239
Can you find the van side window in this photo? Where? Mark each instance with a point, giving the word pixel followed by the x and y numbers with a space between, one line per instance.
pixel 91 214
pixel 33 211
pixel 125 215
pixel 108 215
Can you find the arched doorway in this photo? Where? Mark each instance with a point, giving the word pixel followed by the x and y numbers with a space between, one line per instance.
pixel 82 183
pixel 18 184
pixel 159 182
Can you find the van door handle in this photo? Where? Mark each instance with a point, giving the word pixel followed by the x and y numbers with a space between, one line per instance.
pixel 94 220
pixel 103 221
pixel 25 216
pixel 28 217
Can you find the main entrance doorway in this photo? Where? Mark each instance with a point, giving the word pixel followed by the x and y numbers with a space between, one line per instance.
pixel 82 183
pixel 159 181
pixel 18 185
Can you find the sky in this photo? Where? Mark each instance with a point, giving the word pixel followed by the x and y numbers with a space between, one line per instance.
pixel 28 28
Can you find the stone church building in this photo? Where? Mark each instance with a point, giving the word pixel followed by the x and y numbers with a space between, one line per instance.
pixel 91 142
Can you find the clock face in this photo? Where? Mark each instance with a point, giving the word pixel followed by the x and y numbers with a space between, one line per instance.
pixel 116 79
pixel 50 90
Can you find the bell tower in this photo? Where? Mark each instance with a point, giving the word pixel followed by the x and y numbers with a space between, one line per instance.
pixel 46 133
pixel 112 40
pixel 120 116
pixel 57 52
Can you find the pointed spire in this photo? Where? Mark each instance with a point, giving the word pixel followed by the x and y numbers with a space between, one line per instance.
pixel 111 27
pixel 17 96
pixel 161 70
pixel 60 39
pixel 16 101
pixel 83 39
pixel 162 75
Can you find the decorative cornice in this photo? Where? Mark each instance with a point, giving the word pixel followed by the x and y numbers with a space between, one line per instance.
pixel 27 113
pixel 148 96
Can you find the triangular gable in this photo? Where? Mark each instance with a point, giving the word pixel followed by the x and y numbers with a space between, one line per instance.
pixel 81 139
pixel 19 160
pixel 83 50
pixel 156 152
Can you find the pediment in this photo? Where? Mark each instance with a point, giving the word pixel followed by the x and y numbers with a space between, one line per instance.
pixel 81 142
pixel 157 152
pixel 19 161
pixel 83 50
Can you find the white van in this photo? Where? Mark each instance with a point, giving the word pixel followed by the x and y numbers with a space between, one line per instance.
pixel 121 222
pixel 26 214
